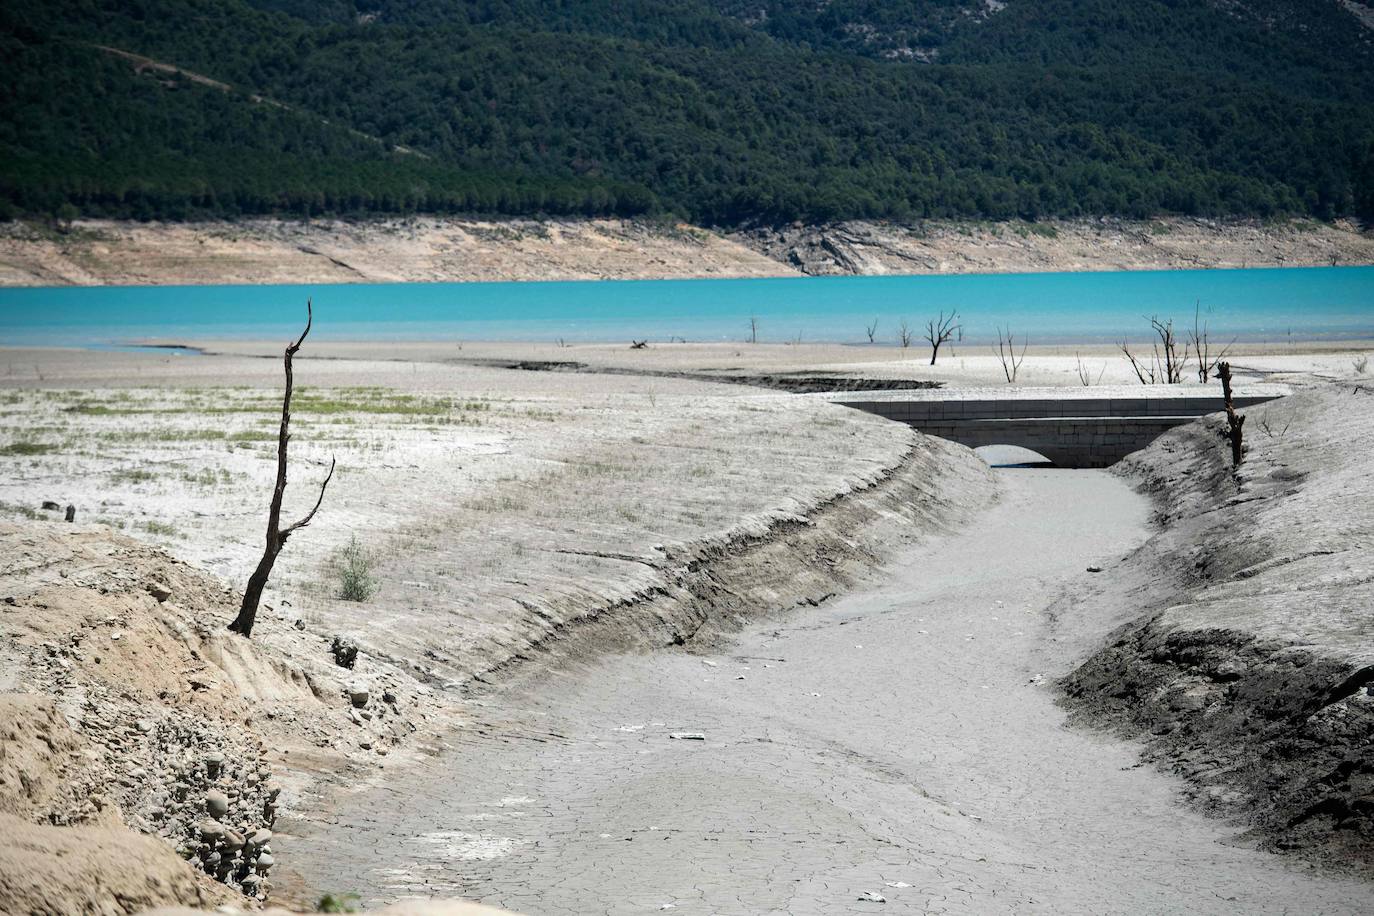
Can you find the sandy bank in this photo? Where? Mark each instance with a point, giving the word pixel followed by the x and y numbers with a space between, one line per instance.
pixel 95 252
pixel 1250 672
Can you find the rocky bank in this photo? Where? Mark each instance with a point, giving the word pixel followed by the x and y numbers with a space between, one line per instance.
pixel 95 252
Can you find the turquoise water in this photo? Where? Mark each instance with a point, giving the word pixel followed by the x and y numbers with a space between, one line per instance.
pixel 1256 304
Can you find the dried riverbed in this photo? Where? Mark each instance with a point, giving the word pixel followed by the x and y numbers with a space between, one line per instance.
pixel 902 742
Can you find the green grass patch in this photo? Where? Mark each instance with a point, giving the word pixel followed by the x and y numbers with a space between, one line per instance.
pixel 15 449
pixel 132 475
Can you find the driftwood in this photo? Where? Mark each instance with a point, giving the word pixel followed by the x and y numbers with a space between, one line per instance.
pixel 1234 421
pixel 277 535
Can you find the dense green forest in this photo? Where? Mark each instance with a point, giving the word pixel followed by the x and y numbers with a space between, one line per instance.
pixel 717 111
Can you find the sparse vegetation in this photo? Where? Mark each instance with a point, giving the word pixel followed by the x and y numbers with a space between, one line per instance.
pixel 338 903
pixel 18 449
pixel 354 565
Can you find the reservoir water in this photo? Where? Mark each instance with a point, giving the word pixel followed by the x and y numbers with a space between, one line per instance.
pixel 1265 304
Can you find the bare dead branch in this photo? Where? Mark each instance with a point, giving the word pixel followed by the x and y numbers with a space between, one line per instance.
pixel 311 514
pixel 276 535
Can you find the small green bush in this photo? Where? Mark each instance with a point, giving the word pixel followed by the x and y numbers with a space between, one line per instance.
pixel 356 582
pixel 338 903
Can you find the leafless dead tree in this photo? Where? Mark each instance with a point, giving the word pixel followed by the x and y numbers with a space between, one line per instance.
pixel 872 330
pixel 904 331
pixel 1006 353
pixel 638 344
pixel 277 535
pixel 753 329
pixel 1234 421
pixel 1166 363
pixel 939 330
pixel 1202 347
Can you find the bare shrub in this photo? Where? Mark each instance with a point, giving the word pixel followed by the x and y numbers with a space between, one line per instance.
pixel 1006 353
pixel 1085 375
pixel 1202 347
pixel 872 330
pixel 904 333
pixel 1361 364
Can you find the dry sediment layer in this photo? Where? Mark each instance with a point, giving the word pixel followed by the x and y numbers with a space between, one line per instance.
pixel 96 252
pixel 1252 671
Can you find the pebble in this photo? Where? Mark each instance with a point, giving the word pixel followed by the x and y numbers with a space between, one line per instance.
pixel 216 803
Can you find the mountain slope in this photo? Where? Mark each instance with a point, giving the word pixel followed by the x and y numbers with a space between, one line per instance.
pixel 721 111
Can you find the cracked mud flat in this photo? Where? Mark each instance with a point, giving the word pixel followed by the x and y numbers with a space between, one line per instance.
pixel 902 741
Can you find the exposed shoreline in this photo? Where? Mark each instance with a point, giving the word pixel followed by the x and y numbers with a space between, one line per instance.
pixel 425 249
pixel 664 510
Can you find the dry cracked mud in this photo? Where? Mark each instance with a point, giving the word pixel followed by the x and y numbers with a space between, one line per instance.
pixel 903 742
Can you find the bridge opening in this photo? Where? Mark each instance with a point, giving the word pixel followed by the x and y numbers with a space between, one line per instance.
pixel 1012 456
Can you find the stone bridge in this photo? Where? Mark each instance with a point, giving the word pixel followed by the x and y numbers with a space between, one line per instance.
pixel 1071 427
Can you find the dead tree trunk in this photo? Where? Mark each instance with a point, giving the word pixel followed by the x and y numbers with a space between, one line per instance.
pixel 1234 421
pixel 276 535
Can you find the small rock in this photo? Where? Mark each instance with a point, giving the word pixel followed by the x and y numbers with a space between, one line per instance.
pixel 261 838
pixel 159 590
pixel 1094 569
pixel 358 694
pixel 216 803
pixel 354 717
pixel 299 624
pixel 872 897
pixel 213 761
pixel 116 635
pixel 51 506
pixel 345 653
pixel 687 736
pixel 144 726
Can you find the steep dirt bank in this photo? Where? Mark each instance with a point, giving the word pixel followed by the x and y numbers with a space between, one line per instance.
pixel 96 252
pixel 125 703
pixel 1252 671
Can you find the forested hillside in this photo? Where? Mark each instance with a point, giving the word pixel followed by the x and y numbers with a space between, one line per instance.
pixel 717 111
